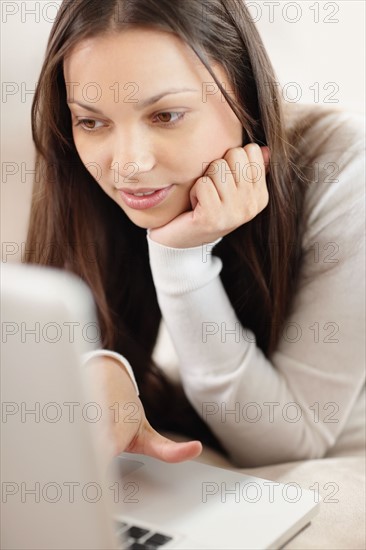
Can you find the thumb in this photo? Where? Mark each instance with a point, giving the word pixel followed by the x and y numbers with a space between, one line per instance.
pixel 151 443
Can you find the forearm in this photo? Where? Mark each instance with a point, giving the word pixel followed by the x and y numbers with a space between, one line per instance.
pixel 110 358
pixel 246 402
pixel 262 411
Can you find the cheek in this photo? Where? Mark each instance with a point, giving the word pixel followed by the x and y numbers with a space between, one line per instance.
pixel 225 132
pixel 202 151
pixel 87 152
pixel 211 140
pixel 93 158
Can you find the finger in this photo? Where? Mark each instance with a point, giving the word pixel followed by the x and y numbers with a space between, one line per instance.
pixel 170 451
pixel 153 444
pixel 255 164
pixel 205 193
pixel 222 173
pixel 259 161
pixel 257 157
pixel 237 159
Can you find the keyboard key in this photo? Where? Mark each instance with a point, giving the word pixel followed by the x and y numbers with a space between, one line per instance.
pixel 157 540
pixel 136 532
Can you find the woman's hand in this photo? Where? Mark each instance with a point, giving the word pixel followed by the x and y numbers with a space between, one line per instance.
pixel 232 192
pixel 125 427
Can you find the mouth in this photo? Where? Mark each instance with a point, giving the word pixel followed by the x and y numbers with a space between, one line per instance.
pixel 141 191
pixel 141 199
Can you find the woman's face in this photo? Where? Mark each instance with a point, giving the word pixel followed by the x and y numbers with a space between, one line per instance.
pixel 147 115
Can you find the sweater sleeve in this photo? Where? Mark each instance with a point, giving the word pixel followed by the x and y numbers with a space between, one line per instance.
pixel 295 404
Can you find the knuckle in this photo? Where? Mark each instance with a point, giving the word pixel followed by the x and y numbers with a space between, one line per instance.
pixel 253 148
pixel 221 163
pixel 215 163
pixel 232 154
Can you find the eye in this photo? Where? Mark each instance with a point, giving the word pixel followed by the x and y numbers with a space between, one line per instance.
pixel 165 118
pixel 89 124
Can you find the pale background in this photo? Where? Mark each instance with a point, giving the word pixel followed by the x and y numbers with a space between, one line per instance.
pixel 317 49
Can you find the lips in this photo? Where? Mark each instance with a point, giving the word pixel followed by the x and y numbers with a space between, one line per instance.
pixel 136 202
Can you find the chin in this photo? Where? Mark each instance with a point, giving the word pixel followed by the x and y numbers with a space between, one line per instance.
pixel 150 220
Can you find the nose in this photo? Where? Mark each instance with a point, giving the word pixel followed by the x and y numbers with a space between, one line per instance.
pixel 133 155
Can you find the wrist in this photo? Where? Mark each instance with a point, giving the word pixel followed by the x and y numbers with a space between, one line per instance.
pixel 195 242
pixel 177 271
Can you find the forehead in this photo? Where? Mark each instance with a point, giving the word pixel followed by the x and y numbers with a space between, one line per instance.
pixel 141 56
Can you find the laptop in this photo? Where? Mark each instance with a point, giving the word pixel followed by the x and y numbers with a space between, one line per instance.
pixel 59 490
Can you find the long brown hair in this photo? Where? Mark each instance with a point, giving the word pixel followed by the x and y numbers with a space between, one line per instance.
pixel 79 227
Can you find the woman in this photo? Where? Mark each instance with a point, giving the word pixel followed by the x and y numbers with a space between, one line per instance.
pixel 249 270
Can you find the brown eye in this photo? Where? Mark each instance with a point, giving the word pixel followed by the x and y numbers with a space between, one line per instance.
pixel 165 117
pixel 88 123
pixel 170 118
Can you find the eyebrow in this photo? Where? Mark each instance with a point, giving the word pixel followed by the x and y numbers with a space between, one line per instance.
pixel 145 103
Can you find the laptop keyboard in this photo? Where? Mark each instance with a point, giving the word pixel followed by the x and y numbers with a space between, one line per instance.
pixel 138 538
